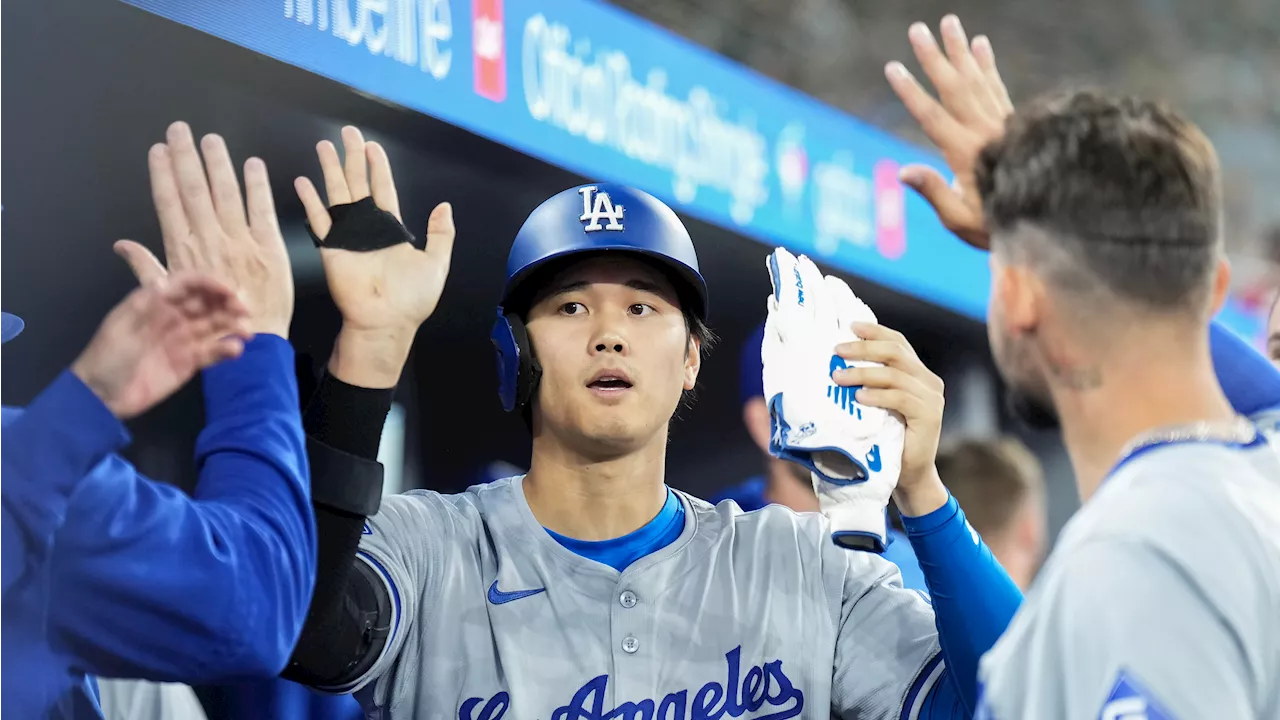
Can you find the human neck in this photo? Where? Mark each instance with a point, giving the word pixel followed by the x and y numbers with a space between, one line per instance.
pixel 1147 381
pixel 592 498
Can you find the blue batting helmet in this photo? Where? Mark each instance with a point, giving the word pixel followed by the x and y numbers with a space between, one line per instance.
pixel 10 326
pixel 600 217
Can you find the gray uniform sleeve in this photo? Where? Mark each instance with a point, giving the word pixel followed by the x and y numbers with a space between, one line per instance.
pixel 887 654
pixel 143 700
pixel 1128 631
pixel 402 544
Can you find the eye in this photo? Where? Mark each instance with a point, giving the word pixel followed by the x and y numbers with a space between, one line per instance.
pixel 639 309
pixel 572 308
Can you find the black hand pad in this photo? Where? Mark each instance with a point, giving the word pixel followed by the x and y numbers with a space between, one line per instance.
pixel 362 226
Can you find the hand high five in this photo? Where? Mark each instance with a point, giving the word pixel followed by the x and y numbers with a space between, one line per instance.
pixel 970 112
pixel 205 227
pixel 392 289
pixel 161 335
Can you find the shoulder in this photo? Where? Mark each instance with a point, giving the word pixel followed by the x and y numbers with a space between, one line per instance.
pixel 769 523
pixel 792 543
pixel 1206 514
pixel 1190 495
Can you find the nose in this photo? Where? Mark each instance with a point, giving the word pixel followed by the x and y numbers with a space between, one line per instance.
pixel 609 340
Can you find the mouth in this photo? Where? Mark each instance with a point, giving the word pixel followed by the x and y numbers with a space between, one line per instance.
pixel 610 382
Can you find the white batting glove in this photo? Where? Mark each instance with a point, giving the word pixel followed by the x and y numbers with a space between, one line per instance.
pixel 853 451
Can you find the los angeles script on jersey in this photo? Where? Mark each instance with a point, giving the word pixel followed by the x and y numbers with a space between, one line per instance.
pixel 763 685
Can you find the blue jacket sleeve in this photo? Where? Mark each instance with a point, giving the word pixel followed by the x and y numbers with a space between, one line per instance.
pixel 973 597
pixel 46 453
pixel 146 582
pixel 1250 381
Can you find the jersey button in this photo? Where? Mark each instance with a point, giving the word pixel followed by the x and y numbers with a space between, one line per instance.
pixel 627 599
pixel 630 644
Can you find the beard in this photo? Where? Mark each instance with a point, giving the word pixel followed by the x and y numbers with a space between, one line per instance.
pixel 1031 409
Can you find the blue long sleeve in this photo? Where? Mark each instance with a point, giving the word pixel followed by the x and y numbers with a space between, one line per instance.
pixel 1250 381
pixel 973 597
pixel 46 453
pixel 145 574
pixel 143 581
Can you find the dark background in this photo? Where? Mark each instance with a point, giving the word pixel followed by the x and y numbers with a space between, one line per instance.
pixel 89 85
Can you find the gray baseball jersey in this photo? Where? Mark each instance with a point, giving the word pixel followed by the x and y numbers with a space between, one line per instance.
pixel 746 614
pixel 1161 600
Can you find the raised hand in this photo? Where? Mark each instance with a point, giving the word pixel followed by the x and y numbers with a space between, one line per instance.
pixel 970 112
pixel 205 227
pixel 158 337
pixel 384 295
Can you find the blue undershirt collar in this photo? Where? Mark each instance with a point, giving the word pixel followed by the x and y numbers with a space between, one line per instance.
pixel 664 529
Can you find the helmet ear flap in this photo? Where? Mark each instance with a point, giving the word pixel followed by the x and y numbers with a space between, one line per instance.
pixel 518 371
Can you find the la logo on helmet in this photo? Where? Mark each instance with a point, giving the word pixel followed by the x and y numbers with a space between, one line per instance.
pixel 597 206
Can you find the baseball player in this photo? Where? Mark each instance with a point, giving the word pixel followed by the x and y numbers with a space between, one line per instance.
pixel 1103 219
pixel 108 573
pixel 587 588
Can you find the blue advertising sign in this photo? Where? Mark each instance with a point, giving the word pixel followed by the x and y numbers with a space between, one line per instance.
pixel 604 94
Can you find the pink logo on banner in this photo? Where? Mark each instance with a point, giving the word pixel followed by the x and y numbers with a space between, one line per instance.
pixel 891 210
pixel 489 49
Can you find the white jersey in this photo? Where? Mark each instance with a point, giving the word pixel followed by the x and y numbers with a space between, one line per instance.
pixel 754 615
pixel 1161 600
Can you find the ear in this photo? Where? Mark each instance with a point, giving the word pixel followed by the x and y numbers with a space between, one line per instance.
pixel 1221 285
pixel 1017 296
pixel 692 363
pixel 755 415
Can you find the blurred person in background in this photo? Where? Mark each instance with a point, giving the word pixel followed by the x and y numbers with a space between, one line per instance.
pixel 787 483
pixel 1273 332
pixel 1000 486
pixel 109 573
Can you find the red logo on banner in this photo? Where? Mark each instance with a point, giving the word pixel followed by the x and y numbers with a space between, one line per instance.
pixel 489 49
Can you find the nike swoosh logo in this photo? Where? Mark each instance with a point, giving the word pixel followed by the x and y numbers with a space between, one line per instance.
pixel 497 597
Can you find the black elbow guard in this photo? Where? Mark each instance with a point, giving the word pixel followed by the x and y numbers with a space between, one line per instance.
pixel 337 650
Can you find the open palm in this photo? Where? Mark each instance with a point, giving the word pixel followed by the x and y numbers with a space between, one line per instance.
pixel 392 287
pixel 970 112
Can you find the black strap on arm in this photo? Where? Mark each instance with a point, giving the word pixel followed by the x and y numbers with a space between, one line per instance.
pixel 350 615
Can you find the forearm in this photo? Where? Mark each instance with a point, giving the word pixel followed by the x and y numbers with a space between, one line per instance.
pixel 150 583
pixel 344 426
pixel 973 597
pixel 47 450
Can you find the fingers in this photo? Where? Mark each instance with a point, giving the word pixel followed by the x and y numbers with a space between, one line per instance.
pixel 174 226
pixel 218 350
pixel 936 191
pixel 985 56
pixel 440 234
pixel 952 88
pixel 890 348
pixel 317 213
pixel 193 186
pixel 145 266
pixel 227 201
pixel 912 407
pixel 357 168
pixel 934 119
pixel 198 294
pixel 262 206
pixel 971 83
pixel 335 180
pixel 381 181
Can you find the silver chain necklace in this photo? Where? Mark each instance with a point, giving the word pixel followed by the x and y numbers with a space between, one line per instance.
pixel 1239 431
